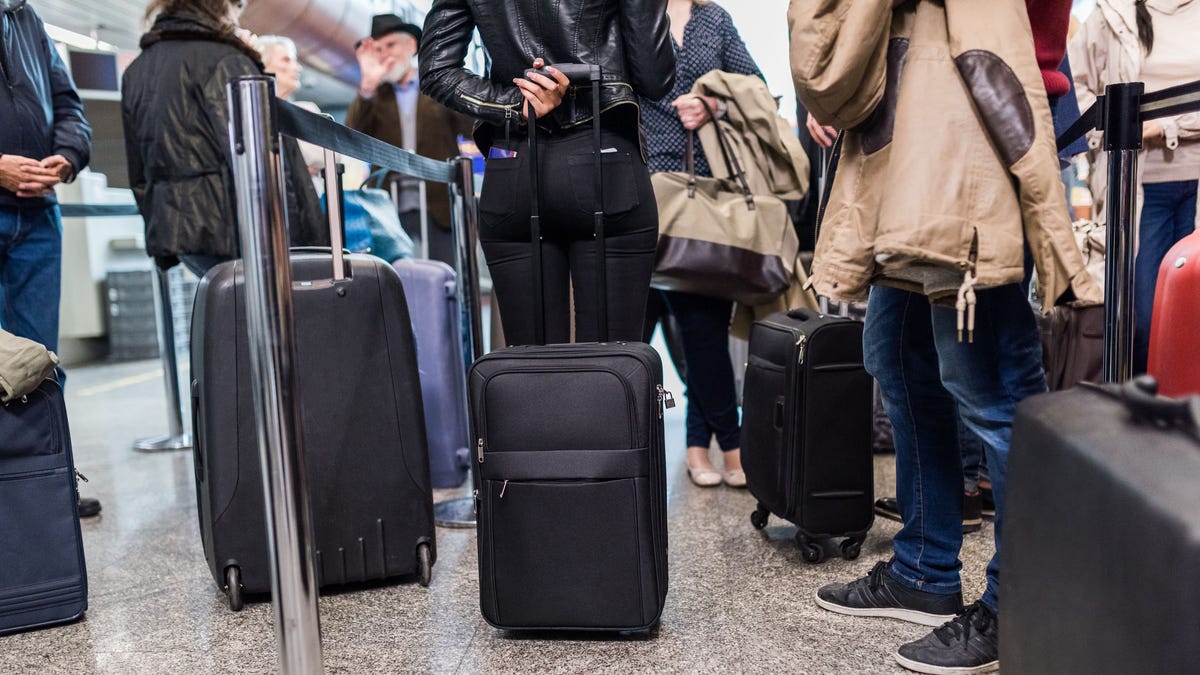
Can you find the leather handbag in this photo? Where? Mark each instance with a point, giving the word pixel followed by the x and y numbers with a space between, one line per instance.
pixel 718 239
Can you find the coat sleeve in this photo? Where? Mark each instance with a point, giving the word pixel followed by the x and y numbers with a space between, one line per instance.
pixel 444 75
pixel 72 134
pixel 134 166
pixel 360 114
pixel 649 55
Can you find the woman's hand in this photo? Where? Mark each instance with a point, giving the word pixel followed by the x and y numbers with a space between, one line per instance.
pixel 541 92
pixel 1152 132
pixel 823 135
pixel 692 112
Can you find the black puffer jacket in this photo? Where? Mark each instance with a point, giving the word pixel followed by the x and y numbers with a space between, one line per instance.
pixel 40 112
pixel 175 109
pixel 629 39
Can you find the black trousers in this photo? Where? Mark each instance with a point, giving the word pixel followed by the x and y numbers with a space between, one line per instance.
pixel 568 244
pixel 711 390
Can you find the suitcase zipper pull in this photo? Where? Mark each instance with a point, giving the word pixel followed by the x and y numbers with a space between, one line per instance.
pixel 475 502
pixel 503 488
pixel 801 345
pixel 479 450
pixel 665 399
pixel 80 476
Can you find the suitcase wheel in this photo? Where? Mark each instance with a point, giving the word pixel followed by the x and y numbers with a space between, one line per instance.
pixel 233 587
pixel 810 549
pixel 850 548
pixel 759 518
pixel 424 564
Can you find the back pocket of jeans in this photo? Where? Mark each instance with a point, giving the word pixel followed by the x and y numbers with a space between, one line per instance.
pixel 498 198
pixel 620 187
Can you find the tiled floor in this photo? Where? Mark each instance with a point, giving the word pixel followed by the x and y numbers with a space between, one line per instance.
pixel 739 601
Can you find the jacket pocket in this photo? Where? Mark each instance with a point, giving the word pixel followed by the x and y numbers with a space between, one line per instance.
pixel 620 188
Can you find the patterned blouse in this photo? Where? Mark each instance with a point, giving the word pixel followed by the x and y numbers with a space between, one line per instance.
pixel 710 42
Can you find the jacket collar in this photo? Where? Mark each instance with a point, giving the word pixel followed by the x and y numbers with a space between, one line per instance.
pixel 169 27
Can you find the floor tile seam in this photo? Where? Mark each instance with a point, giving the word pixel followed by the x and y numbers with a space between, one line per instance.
pixel 467 649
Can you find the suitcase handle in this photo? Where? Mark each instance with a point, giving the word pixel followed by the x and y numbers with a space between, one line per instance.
pixel 799 315
pixel 1140 396
pixel 577 73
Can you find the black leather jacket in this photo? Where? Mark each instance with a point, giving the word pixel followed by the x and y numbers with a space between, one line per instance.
pixel 629 39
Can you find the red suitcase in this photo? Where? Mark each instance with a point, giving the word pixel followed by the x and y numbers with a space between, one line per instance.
pixel 1175 328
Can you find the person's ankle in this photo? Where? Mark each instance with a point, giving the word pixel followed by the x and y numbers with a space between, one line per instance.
pixel 697 458
pixel 733 459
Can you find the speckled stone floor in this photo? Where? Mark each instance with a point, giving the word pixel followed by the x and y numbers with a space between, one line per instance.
pixel 740 600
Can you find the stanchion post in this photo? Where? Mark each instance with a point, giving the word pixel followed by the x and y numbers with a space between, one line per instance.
pixel 1122 140
pixel 175 438
pixel 460 512
pixel 262 221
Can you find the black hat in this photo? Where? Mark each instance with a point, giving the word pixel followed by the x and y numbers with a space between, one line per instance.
pixel 385 24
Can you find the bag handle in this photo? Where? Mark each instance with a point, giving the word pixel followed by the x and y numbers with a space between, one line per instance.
pixel 732 165
pixel 577 73
pixel 377 175
pixel 1140 396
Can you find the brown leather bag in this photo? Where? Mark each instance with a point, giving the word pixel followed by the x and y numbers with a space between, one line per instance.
pixel 718 239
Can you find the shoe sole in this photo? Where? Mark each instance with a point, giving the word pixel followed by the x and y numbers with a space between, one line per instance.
pixel 909 615
pixel 931 669
pixel 890 515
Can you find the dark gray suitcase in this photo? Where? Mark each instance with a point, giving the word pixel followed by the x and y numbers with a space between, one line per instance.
pixel 1101 541
pixel 364 427
pixel 570 482
pixel 43 578
pixel 807 428
pixel 431 289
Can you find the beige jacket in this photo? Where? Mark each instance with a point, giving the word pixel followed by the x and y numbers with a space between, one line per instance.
pixel 23 366
pixel 1106 51
pixel 955 170
pixel 775 163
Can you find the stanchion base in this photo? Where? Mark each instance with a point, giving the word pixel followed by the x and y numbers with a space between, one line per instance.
pixel 165 443
pixel 455 513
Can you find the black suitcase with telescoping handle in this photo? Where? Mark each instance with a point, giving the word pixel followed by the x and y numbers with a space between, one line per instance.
pixel 569 467
pixel 807 429
pixel 364 426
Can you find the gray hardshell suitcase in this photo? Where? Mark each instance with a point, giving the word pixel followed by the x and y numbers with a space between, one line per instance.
pixel 430 287
pixel 364 426
pixel 43 578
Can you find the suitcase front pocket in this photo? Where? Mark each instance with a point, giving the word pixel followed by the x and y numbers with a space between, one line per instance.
pixel 567 553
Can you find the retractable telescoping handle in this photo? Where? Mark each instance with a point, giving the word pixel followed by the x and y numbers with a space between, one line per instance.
pixel 578 74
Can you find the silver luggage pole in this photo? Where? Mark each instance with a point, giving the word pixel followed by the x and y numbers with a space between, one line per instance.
pixel 176 437
pixel 1122 140
pixel 262 221
pixel 424 221
pixel 822 301
pixel 460 513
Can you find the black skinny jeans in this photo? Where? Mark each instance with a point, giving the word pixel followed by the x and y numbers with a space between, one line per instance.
pixel 711 392
pixel 568 241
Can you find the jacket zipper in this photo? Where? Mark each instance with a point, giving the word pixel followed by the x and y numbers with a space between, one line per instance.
pixel 487 104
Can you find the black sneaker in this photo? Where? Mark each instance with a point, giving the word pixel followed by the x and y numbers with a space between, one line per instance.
pixel 878 594
pixel 89 507
pixel 972 512
pixel 989 502
pixel 969 644
pixel 888 507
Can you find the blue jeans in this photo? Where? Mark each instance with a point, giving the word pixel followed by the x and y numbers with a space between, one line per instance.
pixel 929 379
pixel 1168 215
pixel 712 408
pixel 31 272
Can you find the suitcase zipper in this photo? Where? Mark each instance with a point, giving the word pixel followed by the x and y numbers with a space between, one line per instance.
pixel 801 347
pixel 665 400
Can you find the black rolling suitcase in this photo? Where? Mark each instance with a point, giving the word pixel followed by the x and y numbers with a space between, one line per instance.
pixel 1101 541
pixel 43 578
pixel 364 426
pixel 569 473
pixel 807 429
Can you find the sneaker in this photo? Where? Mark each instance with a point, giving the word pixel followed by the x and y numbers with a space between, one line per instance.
pixel 888 507
pixel 972 511
pixel 989 502
pixel 878 594
pixel 89 507
pixel 968 644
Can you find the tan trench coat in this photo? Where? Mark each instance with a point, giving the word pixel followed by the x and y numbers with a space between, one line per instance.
pixel 954 170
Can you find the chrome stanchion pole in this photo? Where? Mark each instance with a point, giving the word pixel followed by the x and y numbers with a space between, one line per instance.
pixel 176 437
pixel 461 512
pixel 1122 140
pixel 262 221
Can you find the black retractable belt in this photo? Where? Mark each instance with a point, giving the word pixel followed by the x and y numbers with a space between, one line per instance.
pixel 577 73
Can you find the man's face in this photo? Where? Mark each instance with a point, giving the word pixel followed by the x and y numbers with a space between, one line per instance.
pixel 399 48
pixel 285 69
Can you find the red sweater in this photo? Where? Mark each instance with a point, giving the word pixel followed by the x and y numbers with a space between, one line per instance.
pixel 1050 20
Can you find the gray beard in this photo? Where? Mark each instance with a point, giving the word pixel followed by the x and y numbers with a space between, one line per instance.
pixel 393 76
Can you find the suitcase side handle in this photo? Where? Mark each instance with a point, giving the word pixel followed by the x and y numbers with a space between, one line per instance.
pixel 1140 396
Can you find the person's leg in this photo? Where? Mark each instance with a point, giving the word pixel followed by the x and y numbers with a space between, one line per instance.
pixel 32 276
pixel 511 267
pixel 704 324
pixel 1155 237
pixel 201 264
pixel 656 314
pixel 988 378
pixel 921 583
pixel 1185 209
